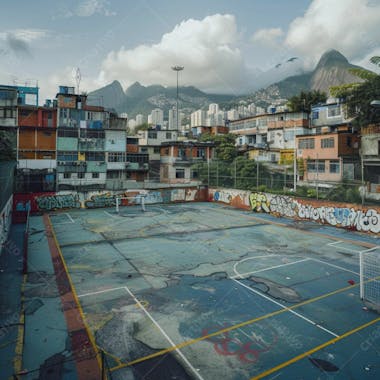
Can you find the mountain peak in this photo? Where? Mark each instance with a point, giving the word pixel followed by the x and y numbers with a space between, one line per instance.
pixel 332 58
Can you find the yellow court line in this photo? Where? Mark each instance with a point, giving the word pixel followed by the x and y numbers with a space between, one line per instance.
pixel 234 327
pixel 315 349
pixel 89 334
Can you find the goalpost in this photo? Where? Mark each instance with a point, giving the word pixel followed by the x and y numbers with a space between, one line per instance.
pixel 370 276
pixel 124 201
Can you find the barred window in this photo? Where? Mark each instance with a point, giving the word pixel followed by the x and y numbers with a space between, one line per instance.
pixel 327 143
pixel 314 166
pixel 334 166
pixel 333 111
pixel 306 143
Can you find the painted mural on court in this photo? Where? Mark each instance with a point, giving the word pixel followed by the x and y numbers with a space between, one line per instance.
pixel 351 217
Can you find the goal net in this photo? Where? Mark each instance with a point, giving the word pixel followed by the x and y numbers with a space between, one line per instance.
pixel 370 276
pixel 130 201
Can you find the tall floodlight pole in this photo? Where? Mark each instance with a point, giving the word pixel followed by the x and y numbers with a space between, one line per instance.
pixel 177 69
pixel 295 158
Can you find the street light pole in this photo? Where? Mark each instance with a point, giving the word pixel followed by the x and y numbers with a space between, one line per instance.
pixel 295 158
pixel 177 69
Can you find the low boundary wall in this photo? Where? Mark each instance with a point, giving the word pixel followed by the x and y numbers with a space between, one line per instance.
pixel 344 215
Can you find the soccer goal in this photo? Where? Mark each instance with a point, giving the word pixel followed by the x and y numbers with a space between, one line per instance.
pixel 370 276
pixel 128 201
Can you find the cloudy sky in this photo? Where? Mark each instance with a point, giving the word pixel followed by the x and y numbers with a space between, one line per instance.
pixel 226 46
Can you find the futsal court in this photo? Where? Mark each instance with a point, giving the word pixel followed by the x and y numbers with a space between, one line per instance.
pixel 205 291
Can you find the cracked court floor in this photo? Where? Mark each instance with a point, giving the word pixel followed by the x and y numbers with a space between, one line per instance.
pixel 205 291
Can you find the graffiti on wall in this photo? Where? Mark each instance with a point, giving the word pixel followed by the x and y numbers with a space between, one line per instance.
pixel 100 200
pixel 230 196
pixel 282 205
pixel 360 220
pixel 56 202
pixel 48 202
pixel 259 202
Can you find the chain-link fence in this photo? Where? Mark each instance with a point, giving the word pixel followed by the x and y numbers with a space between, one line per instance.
pixel 252 175
pixel 7 169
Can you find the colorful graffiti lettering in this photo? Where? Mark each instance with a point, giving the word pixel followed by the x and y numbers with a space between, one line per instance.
pixel 221 196
pixel 246 352
pixel 281 205
pixel 54 202
pixel 101 200
pixel 259 202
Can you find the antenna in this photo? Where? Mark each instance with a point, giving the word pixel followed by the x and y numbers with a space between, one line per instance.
pixel 77 77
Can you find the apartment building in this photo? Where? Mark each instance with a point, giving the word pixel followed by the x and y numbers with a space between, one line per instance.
pixel 329 157
pixel 270 137
pixel 177 158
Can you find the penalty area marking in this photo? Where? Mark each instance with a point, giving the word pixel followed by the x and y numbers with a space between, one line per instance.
pixel 241 275
pixel 142 305
pixel 335 244
pixel 285 308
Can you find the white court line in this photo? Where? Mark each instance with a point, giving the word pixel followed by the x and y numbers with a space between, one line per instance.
pixel 100 291
pixel 69 216
pixel 197 374
pixel 112 216
pixel 265 269
pixel 249 258
pixel 335 243
pixel 71 220
pixel 370 249
pixel 152 319
pixel 335 266
pixel 286 308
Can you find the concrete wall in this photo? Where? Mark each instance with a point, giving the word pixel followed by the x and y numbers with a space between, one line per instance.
pixel 94 199
pixel 336 214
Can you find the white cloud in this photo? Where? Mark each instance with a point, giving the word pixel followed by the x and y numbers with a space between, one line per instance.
pixel 207 48
pixel 268 36
pixel 26 35
pixel 88 8
pixel 349 26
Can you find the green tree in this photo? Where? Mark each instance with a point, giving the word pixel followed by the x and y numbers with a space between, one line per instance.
pixel 305 100
pixel 225 145
pixel 358 95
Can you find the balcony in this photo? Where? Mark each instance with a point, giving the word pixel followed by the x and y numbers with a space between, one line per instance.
pixel 137 166
pixel 181 160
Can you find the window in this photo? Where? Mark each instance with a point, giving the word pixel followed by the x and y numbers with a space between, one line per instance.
pixel 333 111
pixel 80 175
pixel 349 141
pixel 67 156
pixel 116 157
pixel 66 175
pixel 180 173
pixel 182 152
pixel 156 149
pixel 314 166
pixel 306 143
pixel 168 135
pixel 201 152
pixel 334 166
pixel 144 150
pixel 327 143
pixel 194 174
pixel 315 115
pixel 152 134
pixel 95 175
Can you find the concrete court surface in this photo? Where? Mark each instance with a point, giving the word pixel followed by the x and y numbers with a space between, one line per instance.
pixel 205 291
